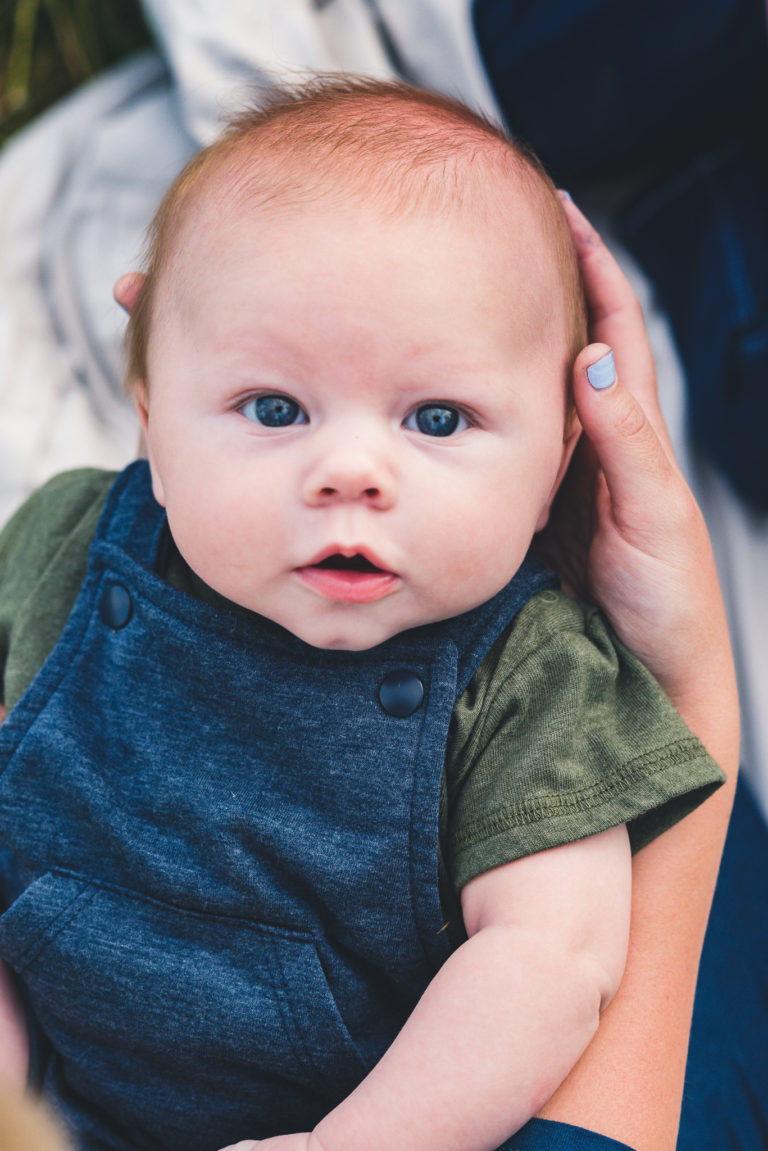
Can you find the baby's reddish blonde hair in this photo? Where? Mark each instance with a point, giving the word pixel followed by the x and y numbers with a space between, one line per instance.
pixel 336 139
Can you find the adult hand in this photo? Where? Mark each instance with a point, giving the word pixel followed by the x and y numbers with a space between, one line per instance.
pixel 625 530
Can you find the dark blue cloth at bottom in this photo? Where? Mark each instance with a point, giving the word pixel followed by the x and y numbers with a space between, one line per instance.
pixel 725 1106
pixel 544 1135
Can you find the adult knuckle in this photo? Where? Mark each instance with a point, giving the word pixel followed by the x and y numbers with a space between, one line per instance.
pixel 633 423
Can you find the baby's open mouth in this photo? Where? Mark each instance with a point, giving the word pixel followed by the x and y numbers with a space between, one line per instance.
pixel 348 579
pixel 355 563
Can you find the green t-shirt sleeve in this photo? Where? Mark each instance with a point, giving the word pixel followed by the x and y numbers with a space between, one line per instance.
pixel 563 733
pixel 43 558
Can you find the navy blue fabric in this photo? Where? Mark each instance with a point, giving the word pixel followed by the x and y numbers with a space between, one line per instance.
pixel 672 99
pixel 221 851
pixel 702 237
pixel 725 1106
pixel 544 1135
pixel 609 87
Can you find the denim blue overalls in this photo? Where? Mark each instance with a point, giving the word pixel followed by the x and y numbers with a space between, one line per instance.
pixel 220 850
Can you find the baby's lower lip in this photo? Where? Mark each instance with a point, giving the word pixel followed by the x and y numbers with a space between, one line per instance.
pixel 346 585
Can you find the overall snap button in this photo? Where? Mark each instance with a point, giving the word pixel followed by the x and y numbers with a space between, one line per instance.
pixel 115 608
pixel 401 693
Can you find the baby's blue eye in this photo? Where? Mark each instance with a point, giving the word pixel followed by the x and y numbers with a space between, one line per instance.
pixel 274 411
pixel 436 420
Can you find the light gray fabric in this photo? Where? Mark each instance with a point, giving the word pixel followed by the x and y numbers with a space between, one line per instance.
pixel 217 51
pixel 76 192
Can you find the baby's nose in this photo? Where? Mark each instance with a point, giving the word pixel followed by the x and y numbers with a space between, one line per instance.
pixel 351 472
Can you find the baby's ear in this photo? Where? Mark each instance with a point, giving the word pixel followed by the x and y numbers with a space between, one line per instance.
pixel 128 289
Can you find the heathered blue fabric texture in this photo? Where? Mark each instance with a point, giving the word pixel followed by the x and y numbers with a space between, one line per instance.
pixel 221 851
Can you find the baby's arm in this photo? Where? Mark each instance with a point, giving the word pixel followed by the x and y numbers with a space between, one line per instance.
pixel 508 1014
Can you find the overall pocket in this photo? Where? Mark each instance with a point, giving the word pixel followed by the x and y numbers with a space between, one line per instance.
pixel 167 1018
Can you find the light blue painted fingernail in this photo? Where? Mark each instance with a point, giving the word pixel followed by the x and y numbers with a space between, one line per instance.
pixel 602 373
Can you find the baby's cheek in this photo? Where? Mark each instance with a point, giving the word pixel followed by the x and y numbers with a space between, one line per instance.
pixel 495 539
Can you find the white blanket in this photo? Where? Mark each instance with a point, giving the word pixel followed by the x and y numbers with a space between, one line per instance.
pixel 78 188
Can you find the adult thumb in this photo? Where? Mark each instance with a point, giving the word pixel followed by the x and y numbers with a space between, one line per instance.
pixel 629 452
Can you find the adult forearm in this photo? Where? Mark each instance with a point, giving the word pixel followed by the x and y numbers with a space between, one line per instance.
pixel 629 1083
pixel 645 556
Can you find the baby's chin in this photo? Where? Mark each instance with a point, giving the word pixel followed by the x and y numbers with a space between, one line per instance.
pixel 343 639
pixel 346 627
pixel 355 633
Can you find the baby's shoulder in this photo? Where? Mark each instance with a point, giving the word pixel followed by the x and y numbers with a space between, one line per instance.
pixel 557 651
pixel 43 559
pixel 551 620
pixel 68 503
pixel 55 525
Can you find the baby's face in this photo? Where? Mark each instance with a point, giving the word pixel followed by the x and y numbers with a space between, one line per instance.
pixel 356 425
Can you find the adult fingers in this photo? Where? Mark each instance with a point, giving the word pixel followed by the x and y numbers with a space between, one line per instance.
pixel 638 467
pixel 615 314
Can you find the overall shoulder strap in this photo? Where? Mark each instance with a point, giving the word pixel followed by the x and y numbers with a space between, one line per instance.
pixel 132 519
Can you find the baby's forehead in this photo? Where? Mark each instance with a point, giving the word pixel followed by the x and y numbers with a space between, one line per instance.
pixel 487 190
pixel 490 216
pixel 370 150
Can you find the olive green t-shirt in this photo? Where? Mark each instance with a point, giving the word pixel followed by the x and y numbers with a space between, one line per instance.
pixel 562 733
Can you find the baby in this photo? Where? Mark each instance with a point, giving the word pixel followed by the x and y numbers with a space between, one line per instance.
pixel 317 796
